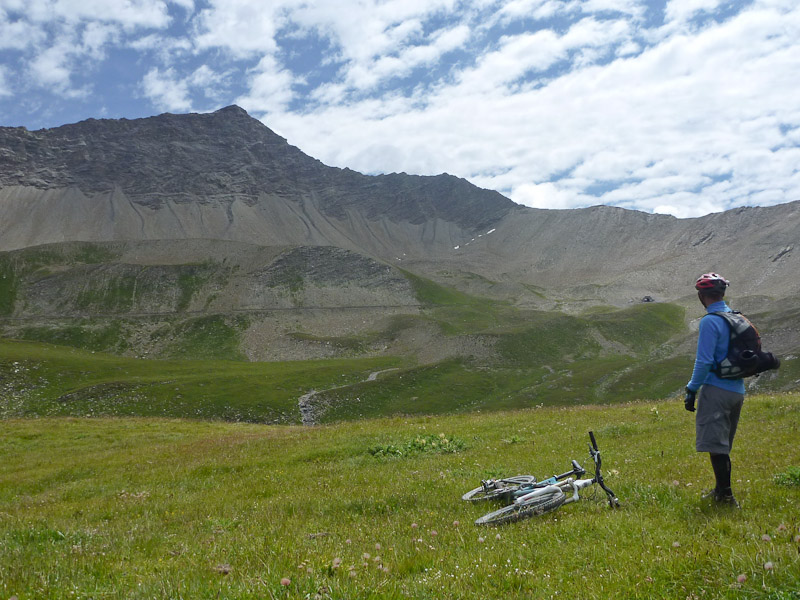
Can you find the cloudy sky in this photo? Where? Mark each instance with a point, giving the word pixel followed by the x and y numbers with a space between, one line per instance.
pixel 672 106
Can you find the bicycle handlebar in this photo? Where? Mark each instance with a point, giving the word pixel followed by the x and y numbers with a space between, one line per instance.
pixel 594 441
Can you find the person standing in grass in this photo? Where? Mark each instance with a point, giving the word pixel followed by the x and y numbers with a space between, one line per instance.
pixel 719 402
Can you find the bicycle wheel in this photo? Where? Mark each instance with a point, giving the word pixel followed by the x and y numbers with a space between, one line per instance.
pixel 515 512
pixel 505 490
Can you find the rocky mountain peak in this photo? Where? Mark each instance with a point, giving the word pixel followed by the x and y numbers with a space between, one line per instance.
pixel 233 111
pixel 225 156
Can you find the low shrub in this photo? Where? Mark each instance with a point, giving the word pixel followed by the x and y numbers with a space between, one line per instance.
pixel 790 477
pixel 421 444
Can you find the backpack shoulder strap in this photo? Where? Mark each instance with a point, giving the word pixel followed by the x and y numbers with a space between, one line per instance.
pixel 724 315
pixel 737 322
pixel 721 313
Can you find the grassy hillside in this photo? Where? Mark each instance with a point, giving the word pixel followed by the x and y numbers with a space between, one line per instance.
pixel 86 296
pixel 44 380
pixel 143 508
pixel 453 351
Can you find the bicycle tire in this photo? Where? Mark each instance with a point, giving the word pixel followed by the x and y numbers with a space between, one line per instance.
pixel 516 512
pixel 510 485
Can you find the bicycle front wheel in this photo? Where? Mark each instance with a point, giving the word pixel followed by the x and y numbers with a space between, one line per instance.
pixel 505 489
pixel 516 512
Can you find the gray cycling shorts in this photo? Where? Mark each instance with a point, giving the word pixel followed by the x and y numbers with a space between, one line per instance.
pixel 717 418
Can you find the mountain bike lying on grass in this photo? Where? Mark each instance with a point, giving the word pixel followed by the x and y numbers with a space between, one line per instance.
pixel 532 498
pixel 509 488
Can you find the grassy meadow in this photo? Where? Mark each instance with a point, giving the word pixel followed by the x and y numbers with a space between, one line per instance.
pixel 191 477
pixel 46 380
pixel 158 508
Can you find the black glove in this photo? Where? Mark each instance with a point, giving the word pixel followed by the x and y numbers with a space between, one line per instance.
pixel 688 401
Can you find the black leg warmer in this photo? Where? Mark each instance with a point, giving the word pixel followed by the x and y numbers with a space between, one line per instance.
pixel 722 471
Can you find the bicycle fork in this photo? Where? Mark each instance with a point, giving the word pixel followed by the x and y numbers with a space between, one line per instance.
pixel 578 485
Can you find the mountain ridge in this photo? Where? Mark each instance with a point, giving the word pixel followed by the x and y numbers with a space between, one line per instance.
pixel 209 236
pixel 228 156
pixel 226 176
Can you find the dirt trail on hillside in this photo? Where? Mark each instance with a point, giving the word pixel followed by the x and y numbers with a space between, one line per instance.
pixel 310 411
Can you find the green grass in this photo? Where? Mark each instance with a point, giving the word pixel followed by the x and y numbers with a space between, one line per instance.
pixel 207 337
pixel 541 337
pixel 9 284
pixel 449 386
pixel 43 380
pixel 97 335
pixel 454 386
pixel 548 337
pixel 457 312
pixel 112 296
pixel 193 277
pixel 151 508
pixel 642 326
pixel 92 254
pixel 188 284
pixel 431 293
pixel 790 477
pixel 16 266
pixel 56 380
pixel 348 343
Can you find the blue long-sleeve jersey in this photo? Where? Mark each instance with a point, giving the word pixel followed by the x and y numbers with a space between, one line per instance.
pixel 712 347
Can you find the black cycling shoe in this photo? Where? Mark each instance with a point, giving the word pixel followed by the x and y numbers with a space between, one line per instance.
pixel 722 498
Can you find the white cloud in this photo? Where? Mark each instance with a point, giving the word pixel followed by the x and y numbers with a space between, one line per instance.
pixel 62 39
pixel 18 34
pixel 242 27
pixel 658 129
pixel 128 13
pixel 534 9
pixel 534 53
pixel 516 56
pixel 634 8
pixel 543 195
pixel 270 88
pixel 167 51
pixel 52 68
pixel 204 77
pixel 5 89
pixel 373 40
pixel 577 103
pixel 187 5
pixel 96 37
pixel 687 206
pixel 367 75
pixel 211 84
pixel 683 10
pixel 371 28
pixel 169 91
pixel 166 90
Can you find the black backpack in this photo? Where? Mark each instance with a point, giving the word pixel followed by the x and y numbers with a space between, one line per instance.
pixel 745 357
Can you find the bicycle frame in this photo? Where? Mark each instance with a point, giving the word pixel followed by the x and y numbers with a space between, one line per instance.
pixel 559 488
pixel 527 486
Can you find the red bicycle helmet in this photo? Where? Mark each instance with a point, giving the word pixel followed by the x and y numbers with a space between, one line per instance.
pixel 711 282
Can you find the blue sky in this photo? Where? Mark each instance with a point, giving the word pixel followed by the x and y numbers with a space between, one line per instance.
pixel 683 107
